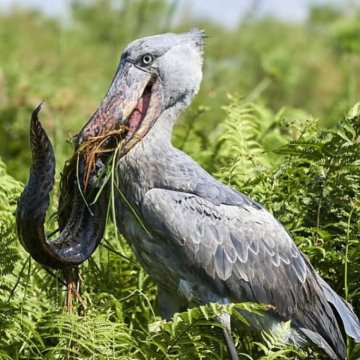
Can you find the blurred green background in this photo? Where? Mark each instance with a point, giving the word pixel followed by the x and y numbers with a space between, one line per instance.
pixel 270 119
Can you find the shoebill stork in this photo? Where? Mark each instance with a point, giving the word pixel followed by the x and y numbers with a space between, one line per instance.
pixel 200 240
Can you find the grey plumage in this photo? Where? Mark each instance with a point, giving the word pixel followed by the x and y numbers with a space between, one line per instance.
pixel 203 241
pixel 223 251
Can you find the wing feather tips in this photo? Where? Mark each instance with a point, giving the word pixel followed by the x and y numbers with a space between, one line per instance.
pixel 348 317
pixel 318 340
pixel 203 256
pixel 240 273
pixel 241 247
pixel 299 267
pixel 222 265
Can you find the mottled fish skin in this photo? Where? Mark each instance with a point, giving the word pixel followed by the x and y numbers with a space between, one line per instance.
pixel 83 231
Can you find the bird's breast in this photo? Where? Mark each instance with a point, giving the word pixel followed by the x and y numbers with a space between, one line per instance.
pixel 155 257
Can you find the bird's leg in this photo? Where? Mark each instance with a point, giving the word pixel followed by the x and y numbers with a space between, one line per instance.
pixel 224 320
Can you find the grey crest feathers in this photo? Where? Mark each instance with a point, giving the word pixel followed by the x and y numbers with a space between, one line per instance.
pixel 159 44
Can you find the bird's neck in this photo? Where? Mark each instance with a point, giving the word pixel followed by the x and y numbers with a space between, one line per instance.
pixel 163 127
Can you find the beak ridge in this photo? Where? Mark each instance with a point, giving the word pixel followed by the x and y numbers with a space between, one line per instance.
pixel 119 102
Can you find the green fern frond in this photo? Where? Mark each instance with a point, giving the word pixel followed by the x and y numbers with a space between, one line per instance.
pixel 9 192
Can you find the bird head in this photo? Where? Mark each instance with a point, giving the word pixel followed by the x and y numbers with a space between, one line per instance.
pixel 155 73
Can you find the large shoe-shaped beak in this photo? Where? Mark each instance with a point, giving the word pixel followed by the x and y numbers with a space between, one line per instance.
pixel 132 103
pixel 82 231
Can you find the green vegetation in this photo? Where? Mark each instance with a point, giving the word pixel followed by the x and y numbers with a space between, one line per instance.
pixel 260 139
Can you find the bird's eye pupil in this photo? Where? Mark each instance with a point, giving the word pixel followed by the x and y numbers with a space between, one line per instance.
pixel 147 59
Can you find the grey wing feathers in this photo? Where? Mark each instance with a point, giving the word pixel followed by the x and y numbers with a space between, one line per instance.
pixel 250 251
pixel 348 317
pixel 229 241
pixel 318 340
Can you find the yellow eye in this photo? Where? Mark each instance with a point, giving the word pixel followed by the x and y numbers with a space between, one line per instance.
pixel 147 59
